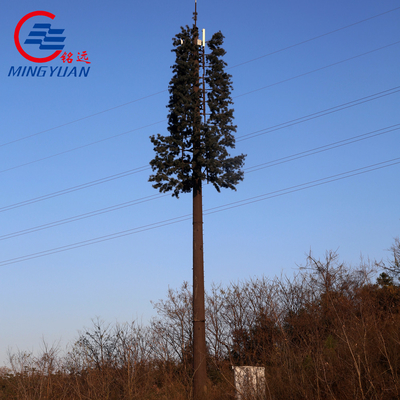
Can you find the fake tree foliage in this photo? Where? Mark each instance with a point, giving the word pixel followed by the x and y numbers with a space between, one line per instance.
pixel 196 150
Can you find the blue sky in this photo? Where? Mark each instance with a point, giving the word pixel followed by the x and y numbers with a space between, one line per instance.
pixel 125 94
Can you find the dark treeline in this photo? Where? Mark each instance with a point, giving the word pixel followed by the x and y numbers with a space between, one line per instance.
pixel 330 332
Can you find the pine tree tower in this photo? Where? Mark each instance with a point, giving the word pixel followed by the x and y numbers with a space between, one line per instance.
pixel 196 151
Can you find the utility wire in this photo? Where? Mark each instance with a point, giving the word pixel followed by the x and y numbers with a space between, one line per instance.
pixel 303 186
pixel 321 149
pixel 79 147
pixel 318 69
pixel 83 216
pixel 212 210
pixel 155 123
pixel 244 137
pixel 261 165
pixel 234 66
pixel 318 114
pixel 96 240
pixel 240 138
pixel 80 119
pixel 268 164
pixel 314 38
pixel 74 188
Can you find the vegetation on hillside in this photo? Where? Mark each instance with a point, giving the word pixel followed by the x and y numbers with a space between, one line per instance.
pixel 330 332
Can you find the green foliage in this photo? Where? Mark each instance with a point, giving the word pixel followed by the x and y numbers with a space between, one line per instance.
pixel 196 150
pixel 393 265
pixel 222 170
pixel 330 342
pixel 174 153
pixel 384 280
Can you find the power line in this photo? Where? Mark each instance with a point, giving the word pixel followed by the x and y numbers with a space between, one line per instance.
pixel 243 137
pixel 80 119
pixel 316 70
pixel 254 168
pixel 240 138
pixel 314 38
pixel 140 169
pixel 97 240
pixel 212 210
pixel 80 147
pixel 163 91
pixel 74 188
pixel 83 216
pixel 244 94
pixel 321 149
pixel 318 114
pixel 303 186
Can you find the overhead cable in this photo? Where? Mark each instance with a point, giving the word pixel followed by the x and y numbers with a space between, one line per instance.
pixel 313 38
pixel 240 138
pixel 266 196
pixel 318 69
pixel 234 66
pixel 248 170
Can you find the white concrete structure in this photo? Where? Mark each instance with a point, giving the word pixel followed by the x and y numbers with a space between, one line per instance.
pixel 249 383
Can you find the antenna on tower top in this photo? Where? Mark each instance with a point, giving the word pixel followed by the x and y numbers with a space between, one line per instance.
pixel 195 13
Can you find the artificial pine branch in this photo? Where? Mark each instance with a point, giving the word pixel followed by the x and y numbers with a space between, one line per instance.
pixel 185 155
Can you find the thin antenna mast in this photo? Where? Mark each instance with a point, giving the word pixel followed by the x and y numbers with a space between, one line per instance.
pixel 195 13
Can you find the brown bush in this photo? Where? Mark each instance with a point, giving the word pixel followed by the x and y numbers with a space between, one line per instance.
pixel 327 333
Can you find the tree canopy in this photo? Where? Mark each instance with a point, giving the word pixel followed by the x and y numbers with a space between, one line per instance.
pixel 195 149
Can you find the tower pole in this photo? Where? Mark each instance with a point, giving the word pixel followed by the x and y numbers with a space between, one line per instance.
pixel 199 332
